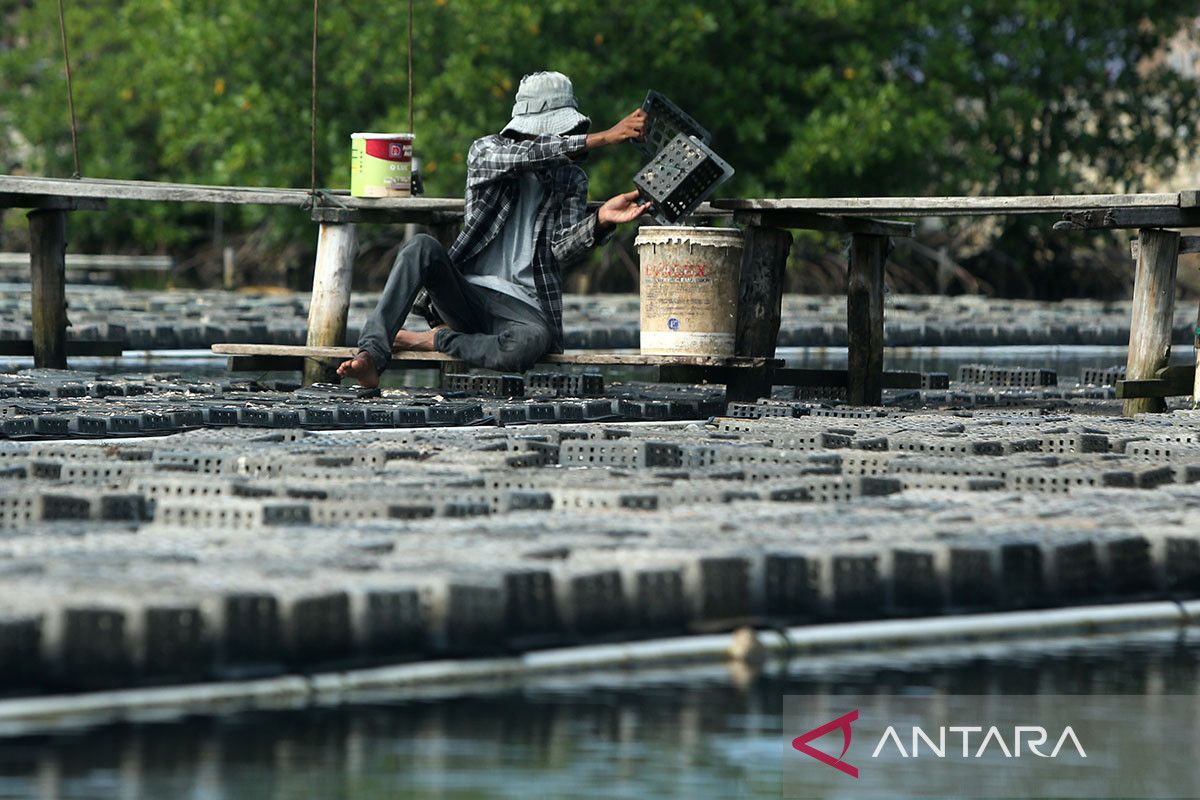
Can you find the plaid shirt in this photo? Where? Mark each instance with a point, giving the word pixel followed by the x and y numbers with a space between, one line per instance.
pixel 563 230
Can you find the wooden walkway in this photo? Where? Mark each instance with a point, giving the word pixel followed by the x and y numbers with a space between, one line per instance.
pixel 768 244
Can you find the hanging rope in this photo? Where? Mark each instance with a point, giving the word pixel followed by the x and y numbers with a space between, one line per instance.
pixel 62 27
pixel 312 156
pixel 410 71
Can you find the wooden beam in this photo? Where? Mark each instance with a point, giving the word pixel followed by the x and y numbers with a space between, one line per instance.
pixel 1187 244
pixel 98 262
pixel 1173 381
pixel 383 216
pixel 1110 218
pixel 864 319
pixel 954 206
pixel 48 250
pixel 337 246
pixel 1153 313
pixel 806 220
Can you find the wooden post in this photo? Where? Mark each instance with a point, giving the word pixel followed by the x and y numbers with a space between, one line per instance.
pixel 48 256
pixel 1153 313
pixel 864 319
pixel 760 297
pixel 336 247
pixel 228 268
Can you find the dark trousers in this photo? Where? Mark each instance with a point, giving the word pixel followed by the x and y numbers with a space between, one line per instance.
pixel 485 328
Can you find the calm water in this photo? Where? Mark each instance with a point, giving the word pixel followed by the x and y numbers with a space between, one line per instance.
pixel 703 732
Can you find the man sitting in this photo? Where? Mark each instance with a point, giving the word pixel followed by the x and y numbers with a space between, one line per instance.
pixel 494 299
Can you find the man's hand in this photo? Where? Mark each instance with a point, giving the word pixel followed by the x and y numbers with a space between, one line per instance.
pixel 632 127
pixel 622 208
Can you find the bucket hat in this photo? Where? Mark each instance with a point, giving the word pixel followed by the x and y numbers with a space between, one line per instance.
pixel 545 103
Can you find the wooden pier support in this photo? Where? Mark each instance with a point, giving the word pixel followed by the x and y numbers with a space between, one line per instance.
pixel 336 247
pixel 48 259
pixel 864 319
pixel 1153 313
pixel 760 298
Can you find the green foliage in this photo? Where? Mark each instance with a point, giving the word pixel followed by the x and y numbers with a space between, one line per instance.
pixel 805 97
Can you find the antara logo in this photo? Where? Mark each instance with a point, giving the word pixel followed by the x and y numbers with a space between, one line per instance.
pixel 801 743
pixel 1031 737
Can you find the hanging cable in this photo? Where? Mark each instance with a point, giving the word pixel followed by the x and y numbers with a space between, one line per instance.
pixel 62 27
pixel 410 71
pixel 312 162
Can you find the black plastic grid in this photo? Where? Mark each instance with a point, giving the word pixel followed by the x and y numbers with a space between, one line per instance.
pixel 681 177
pixel 665 121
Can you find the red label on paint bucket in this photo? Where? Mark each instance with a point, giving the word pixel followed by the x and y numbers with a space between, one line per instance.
pixel 390 149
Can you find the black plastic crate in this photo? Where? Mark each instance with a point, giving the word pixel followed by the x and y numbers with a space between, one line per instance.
pixel 665 121
pixel 681 177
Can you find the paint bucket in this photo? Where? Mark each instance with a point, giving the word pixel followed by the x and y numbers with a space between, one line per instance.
pixel 381 164
pixel 689 289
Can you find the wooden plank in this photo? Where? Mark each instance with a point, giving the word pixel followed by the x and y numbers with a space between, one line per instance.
pixel 195 193
pixel 1173 381
pixel 589 358
pixel 53 202
pixel 1187 244
pixel 384 216
pixel 1153 313
pixel 952 206
pixel 1189 198
pixel 337 245
pixel 48 249
pixel 1113 218
pixel 864 319
pixel 806 220
pixel 97 262
pixel 75 347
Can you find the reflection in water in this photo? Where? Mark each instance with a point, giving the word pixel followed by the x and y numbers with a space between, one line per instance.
pixel 683 733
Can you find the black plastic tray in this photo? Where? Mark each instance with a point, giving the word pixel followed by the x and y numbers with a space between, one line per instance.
pixel 681 177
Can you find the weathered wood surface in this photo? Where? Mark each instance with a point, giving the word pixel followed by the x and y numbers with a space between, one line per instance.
pixel 337 246
pixel 97 262
pixel 864 319
pixel 589 358
pixel 1187 244
pixel 967 206
pixel 760 292
pixel 1115 218
pixel 48 250
pixel 759 306
pixel 1153 313
pixel 1173 381
pixel 807 220
pixel 196 193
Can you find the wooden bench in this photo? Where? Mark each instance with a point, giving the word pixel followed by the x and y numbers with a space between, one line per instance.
pixel 767 246
pixel 1154 271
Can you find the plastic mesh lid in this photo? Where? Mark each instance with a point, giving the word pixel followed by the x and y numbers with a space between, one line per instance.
pixel 665 121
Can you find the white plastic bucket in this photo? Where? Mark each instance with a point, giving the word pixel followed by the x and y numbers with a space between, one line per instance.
pixel 381 164
pixel 689 289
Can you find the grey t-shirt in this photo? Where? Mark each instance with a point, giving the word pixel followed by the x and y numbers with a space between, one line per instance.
pixel 506 264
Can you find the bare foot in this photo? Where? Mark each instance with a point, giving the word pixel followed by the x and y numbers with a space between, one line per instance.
pixel 415 340
pixel 362 369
